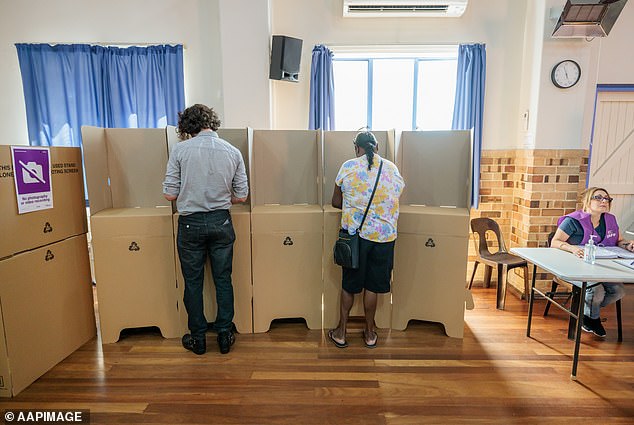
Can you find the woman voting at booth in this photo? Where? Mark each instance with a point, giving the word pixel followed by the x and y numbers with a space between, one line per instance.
pixel 367 189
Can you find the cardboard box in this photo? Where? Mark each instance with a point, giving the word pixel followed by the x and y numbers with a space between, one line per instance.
pixel 286 167
pixel 132 233
pixel 240 276
pixel 338 148
pixel 46 310
pixel 21 232
pixel 436 166
pixel 135 271
pixel 125 167
pixel 430 267
pixel 430 260
pixel 286 256
pixel 286 226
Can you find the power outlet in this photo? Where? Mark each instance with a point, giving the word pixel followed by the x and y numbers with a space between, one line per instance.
pixel 525 118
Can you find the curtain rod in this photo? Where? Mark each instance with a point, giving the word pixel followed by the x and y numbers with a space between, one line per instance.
pixel 443 43
pixel 397 49
pixel 110 43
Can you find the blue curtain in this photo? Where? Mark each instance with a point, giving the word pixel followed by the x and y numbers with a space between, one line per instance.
pixel 67 86
pixel 322 90
pixel 469 104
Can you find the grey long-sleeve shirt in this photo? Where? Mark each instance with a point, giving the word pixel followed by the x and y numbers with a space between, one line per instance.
pixel 204 172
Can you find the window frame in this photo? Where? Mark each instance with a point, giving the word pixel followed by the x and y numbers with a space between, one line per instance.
pixel 369 54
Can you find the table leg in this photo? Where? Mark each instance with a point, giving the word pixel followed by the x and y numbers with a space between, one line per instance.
pixel 582 302
pixel 574 307
pixel 618 320
pixel 530 304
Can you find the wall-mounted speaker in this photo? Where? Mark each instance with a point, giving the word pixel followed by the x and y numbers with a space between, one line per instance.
pixel 286 54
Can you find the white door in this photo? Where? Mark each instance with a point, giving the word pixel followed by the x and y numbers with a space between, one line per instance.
pixel 612 154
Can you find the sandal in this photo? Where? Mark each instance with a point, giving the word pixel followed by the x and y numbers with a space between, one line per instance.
pixel 375 339
pixel 338 344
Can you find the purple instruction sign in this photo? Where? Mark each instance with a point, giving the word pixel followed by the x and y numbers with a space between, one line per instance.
pixel 32 176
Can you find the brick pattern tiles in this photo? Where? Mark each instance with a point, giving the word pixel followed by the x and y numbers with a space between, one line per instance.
pixel 526 191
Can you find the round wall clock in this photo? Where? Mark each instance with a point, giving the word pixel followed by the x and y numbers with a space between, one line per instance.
pixel 565 74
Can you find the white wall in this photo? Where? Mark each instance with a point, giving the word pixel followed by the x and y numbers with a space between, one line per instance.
pixel 244 29
pixel 227 43
pixel 565 115
pixel 560 111
pixel 498 23
pixel 531 74
pixel 193 23
pixel 613 63
pixel 616 65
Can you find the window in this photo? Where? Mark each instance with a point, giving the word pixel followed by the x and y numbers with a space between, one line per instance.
pixel 401 87
pixel 352 100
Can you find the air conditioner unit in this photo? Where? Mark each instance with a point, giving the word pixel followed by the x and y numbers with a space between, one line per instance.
pixel 404 8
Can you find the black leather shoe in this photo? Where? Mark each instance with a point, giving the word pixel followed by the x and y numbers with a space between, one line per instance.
pixel 198 346
pixel 225 341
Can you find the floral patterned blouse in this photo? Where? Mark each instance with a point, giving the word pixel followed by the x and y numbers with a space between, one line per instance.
pixel 356 183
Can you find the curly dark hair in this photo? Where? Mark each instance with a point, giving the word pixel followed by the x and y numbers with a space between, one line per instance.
pixel 196 118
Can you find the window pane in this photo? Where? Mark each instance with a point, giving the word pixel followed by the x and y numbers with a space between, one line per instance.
pixel 393 88
pixel 435 97
pixel 351 94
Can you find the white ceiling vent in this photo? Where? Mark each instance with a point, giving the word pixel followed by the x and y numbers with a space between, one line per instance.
pixel 404 8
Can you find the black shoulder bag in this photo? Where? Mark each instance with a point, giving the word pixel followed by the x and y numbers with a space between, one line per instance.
pixel 346 251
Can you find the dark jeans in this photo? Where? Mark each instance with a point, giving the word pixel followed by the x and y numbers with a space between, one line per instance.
pixel 199 235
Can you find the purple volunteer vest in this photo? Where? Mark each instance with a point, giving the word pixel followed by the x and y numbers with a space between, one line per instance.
pixel 611 228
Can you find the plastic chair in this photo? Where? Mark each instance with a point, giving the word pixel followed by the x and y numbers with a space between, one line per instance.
pixel 574 294
pixel 502 259
pixel 555 283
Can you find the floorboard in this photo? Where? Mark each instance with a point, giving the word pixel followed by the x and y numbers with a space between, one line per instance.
pixel 293 375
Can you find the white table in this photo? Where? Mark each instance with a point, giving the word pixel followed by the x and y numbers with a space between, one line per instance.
pixel 574 270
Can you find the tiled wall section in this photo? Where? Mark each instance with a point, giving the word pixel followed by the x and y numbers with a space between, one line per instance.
pixel 526 191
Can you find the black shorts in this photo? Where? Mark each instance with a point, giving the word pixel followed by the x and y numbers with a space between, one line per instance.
pixel 376 261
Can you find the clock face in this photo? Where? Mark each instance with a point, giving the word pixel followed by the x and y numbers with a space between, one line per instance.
pixel 566 74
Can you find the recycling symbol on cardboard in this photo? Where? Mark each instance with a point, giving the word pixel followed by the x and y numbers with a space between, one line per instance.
pixel 288 241
pixel 47 227
pixel 430 243
pixel 134 247
pixel 49 255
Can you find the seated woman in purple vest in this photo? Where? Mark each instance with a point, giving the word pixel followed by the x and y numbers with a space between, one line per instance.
pixel 575 230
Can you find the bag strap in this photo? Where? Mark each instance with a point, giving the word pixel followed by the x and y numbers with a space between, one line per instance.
pixel 376 183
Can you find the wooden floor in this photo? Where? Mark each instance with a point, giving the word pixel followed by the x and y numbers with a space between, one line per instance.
pixel 292 375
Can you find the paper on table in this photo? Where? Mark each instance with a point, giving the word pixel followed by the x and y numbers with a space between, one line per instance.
pixel 620 252
pixel 612 252
pixel 625 262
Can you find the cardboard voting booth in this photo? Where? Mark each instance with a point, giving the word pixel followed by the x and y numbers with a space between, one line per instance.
pixel 286 226
pixel 433 229
pixel 241 273
pixel 337 149
pixel 132 233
